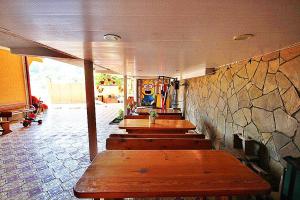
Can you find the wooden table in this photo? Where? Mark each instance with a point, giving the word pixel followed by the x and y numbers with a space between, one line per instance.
pixel 169 111
pixel 167 173
pixel 160 126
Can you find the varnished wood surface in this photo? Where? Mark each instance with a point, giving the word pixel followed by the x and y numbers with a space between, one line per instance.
pixel 157 144
pixel 199 136
pixel 175 117
pixel 145 111
pixel 167 173
pixel 160 124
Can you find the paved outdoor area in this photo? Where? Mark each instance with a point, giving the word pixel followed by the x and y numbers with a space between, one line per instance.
pixel 44 161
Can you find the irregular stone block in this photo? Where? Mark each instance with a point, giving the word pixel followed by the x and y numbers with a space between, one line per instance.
pixel 263 120
pixel 289 69
pixel 291 100
pixel 247 113
pixel 269 101
pixel 297 116
pixel 251 131
pixel 289 150
pixel 239 118
pixel 285 123
pixel 290 53
pixel 280 140
pixel 233 103
pixel 297 137
pixel 283 82
pixel 272 150
pixel 270 56
pixel 242 73
pixel 260 75
pixel 254 92
pixel 251 68
pixel 273 66
pixel 239 83
pixel 266 137
pixel 243 99
pixel 270 83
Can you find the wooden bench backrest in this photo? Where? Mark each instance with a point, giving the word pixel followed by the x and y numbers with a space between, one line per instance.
pixel 5 114
pixel 157 144
pixel 154 135
pixel 178 117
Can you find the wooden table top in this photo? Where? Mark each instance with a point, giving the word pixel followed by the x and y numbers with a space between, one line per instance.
pixel 160 124
pixel 167 173
pixel 169 111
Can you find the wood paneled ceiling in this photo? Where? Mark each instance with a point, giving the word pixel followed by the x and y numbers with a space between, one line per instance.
pixel 159 37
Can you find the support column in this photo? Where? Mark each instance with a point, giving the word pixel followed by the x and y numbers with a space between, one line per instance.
pixel 125 94
pixel 90 104
pixel 27 81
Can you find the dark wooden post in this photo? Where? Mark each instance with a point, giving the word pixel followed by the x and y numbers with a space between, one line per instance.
pixel 28 80
pixel 90 104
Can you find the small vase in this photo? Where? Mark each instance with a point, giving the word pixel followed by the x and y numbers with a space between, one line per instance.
pixel 151 120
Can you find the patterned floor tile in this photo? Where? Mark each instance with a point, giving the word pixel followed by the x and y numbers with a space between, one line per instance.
pixel 45 162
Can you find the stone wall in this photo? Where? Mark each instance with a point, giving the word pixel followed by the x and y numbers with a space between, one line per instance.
pixel 258 98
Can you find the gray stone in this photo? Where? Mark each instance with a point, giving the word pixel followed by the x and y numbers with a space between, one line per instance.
pixel 233 103
pixel 289 69
pixel 280 140
pixel 269 101
pixel 239 118
pixel 272 150
pixel 297 137
pixel 291 100
pixel 282 82
pixel 263 120
pixel 289 150
pixel 260 74
pixel 270 83
pixel 243 99
pixel 254 92
pixel 285 123
pixel 252 132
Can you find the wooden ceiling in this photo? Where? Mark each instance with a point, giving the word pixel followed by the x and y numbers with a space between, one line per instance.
pixel 159 37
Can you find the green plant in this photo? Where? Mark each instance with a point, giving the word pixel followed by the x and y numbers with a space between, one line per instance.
pixel 121 114
pixel 153 113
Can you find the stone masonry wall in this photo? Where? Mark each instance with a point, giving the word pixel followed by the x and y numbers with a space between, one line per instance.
pixel 259 98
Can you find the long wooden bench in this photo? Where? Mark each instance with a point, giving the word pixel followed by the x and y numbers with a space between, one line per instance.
pixel 199 136
pixel 157 144
pixel 175 117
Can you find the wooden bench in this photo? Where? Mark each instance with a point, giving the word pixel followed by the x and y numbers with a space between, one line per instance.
pixel 5 124
pixel 175 117
pixel 199 136
pixel 5 127
pixel 157 144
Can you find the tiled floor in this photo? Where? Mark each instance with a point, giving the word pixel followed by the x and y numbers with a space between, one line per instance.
pixel 44 161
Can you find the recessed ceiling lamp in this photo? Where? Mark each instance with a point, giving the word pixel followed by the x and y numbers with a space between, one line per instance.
pixel 243 36
pixel 112 37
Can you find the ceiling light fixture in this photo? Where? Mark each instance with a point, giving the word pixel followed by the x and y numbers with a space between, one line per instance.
pixel 112 37
pixel 243 36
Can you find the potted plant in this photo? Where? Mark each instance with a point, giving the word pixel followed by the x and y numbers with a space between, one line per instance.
pixel 152 116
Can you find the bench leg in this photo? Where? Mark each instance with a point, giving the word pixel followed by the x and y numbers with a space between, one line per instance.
pixel 5 127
